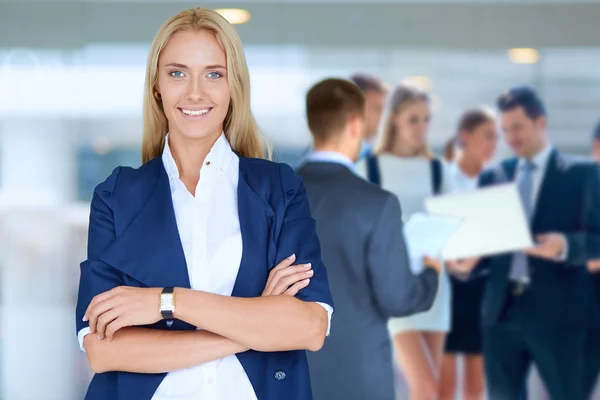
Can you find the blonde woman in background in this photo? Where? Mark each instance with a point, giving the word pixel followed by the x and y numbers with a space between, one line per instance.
pixel 404 165
pixel 477 139
pixel 180 296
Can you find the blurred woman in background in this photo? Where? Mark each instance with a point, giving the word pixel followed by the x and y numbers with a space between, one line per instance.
pixel 404 165
pixel 477 139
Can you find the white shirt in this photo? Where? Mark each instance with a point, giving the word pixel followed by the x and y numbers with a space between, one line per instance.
pixel 209 230
pixel 409 178
pixel 331 156
pixel 461 181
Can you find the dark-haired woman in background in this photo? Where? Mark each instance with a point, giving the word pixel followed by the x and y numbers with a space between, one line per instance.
pixel 477 138
pixel 449 150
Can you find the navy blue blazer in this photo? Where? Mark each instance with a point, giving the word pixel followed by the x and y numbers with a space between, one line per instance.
pixel 560 293
pixel 134 241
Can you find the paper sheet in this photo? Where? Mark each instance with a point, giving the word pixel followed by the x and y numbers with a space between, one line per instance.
pixel 426 235
pixel 494 221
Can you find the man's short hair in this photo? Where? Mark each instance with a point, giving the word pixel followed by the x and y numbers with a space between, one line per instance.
pixel 525 97
pixel 368 83
pixel 330 104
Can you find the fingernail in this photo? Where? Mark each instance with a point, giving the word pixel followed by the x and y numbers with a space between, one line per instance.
pixel 85 318
pixel 307 280
pixel 99 338
pixel 310 272
pixel 292 256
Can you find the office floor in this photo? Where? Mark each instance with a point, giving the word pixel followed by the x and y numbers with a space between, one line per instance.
pixel 535 388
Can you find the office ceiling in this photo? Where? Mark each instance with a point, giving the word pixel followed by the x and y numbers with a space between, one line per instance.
pixel 441 24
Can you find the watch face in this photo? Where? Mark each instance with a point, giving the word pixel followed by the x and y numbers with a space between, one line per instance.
pixel 166 302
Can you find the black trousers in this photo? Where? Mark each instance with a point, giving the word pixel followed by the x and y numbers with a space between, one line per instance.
pixel 591 360
pixel 516 342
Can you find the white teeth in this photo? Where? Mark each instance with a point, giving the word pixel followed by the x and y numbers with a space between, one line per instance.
pixel 195 113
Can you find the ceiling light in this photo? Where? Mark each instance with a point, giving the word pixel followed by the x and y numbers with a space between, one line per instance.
pixel 234 15
pixel 523 55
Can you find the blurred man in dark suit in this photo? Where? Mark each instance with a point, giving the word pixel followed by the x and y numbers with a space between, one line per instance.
pixel 592 346
pixel 360 229
pixel 539 305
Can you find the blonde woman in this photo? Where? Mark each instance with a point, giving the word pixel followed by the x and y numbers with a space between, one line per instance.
pixel 179 297
pixel 404 165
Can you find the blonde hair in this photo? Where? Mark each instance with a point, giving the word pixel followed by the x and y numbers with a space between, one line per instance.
pixel 402 96
pixel 240 127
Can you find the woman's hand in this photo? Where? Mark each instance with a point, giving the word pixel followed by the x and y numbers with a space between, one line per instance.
pixel 433 263
pixel 123 306
pixel 288 279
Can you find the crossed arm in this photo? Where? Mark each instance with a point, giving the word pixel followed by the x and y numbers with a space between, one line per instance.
pixel 230 325
pixel 114 344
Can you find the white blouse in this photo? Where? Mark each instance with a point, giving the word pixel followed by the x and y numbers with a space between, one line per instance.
pixel 410 179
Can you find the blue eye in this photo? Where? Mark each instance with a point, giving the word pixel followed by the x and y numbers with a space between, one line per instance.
pixel 176 74
pixel 214 75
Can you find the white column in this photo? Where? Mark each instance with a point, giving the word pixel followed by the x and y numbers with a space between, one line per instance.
pixel 38 281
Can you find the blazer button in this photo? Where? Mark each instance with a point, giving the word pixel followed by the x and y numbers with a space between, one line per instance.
pixel 279 375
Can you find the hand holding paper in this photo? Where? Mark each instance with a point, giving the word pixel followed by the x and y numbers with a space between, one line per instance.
pixel 426 236
pixel 493 221
pixel 433 263
pixel 550 246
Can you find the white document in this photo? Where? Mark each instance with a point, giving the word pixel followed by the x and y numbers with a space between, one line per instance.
pixel 494 221
pixel 426 235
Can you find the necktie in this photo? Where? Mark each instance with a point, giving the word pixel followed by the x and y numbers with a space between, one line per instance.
pixel 519 270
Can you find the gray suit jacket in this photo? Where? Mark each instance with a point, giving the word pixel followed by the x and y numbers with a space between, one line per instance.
pixel 360 229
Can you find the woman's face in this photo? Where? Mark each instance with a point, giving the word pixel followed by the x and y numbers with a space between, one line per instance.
pixel 481 142
pixel 192 82
pixel 412 124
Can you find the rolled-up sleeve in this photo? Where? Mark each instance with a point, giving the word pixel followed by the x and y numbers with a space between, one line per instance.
pixel 298 236
pixel 96 276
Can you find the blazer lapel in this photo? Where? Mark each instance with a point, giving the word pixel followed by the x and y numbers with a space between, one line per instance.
pixel 510 169
pixel 545 195
pixel 150 249
pixel 257 228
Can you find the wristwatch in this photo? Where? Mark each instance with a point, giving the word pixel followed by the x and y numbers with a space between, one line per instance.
pixel 167 304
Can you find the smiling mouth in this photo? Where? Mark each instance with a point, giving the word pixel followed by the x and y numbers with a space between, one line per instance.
pixel 195 113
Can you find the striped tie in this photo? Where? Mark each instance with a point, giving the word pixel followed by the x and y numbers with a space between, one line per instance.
pixel 519 269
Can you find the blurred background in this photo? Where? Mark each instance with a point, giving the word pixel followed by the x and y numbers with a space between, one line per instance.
pixel 71 79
